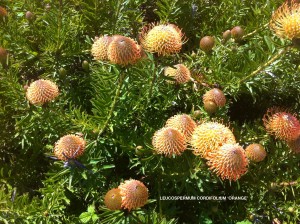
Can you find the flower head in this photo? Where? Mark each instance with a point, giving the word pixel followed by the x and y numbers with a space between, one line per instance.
pixel 209 137
pixel 215 95
pixel 99 48
pixel 169 141
pixel 42 91
pixel 123 50
pixel 255 152
pixel 184 123
pixel 113 199
pixel 134 194
pixel 69 146
pixel 283 125
pixel 285 20
pixel 164 39
pixel 229 162
pixel 180 73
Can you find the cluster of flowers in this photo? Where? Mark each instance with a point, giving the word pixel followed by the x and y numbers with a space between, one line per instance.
pixel 212 141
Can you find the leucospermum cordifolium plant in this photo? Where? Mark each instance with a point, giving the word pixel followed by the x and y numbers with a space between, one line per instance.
pixel 107 107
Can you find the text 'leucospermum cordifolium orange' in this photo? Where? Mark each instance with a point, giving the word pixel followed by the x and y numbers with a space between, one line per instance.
pixel 123 50
pixel 283 125
pixel 42 91
pixel 229 162
pixel 169 141
pixel 180 73
pixel 184 123
pixel 255 152
pixel 113 199
pixel 99 48
pixel 163 39
pixel 209 137
pixel 285 22
pixel 134 194
pixel 69 146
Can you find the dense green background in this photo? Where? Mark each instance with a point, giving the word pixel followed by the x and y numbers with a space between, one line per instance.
pixel 55 44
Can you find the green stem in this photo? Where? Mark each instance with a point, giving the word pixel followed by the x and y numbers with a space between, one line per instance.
pixel 153 80
pixel 255 31
pixel 262 67
pixel 113 105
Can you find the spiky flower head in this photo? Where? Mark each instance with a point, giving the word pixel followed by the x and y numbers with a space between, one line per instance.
pixel 229 162
pixel 3 12
pixel 295 145
pixel 169 141
pixel 134 194
pixel 215 95
pixel 164 39
pixel 123 50
pixel 282 124
pixel 69 146
pixel 209 137
pixel 255 152
pixel 113 199
pixel 99 48
pixel 285 22
pixel 180 73
pixel 184 123
pixel 42 91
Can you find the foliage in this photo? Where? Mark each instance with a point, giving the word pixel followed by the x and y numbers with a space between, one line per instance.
pixel 119 108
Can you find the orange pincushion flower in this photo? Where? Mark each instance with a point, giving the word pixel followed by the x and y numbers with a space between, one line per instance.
pixel 295 145
pixel 3 12
pixel 255 152
pixel 41 91
pixel 164 39
pixel 134 194
pixel 123 50
pixel 113 199
pixel 184 123
pixel 285 20
pixel 209 137
pixel 282 124
pixel 169 141
pixel 100 46
pixel 69 146
pixel 180 73
pixel 215 95
pixel 229 162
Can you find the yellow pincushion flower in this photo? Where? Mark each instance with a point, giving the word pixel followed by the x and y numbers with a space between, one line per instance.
pixel 42 91
pixel 123 50
pixel 69 146
pixel 229 162
pixel 169 141
pixel 164 39
pixel 294 145
pixel 209 137
pixel 285 20
pixel 283 125
pixel 134 194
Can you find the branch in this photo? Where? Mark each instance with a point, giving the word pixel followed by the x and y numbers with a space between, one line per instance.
pixel 113 105
pixel 262 67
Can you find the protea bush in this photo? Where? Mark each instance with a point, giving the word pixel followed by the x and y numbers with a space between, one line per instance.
pixel 116 112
